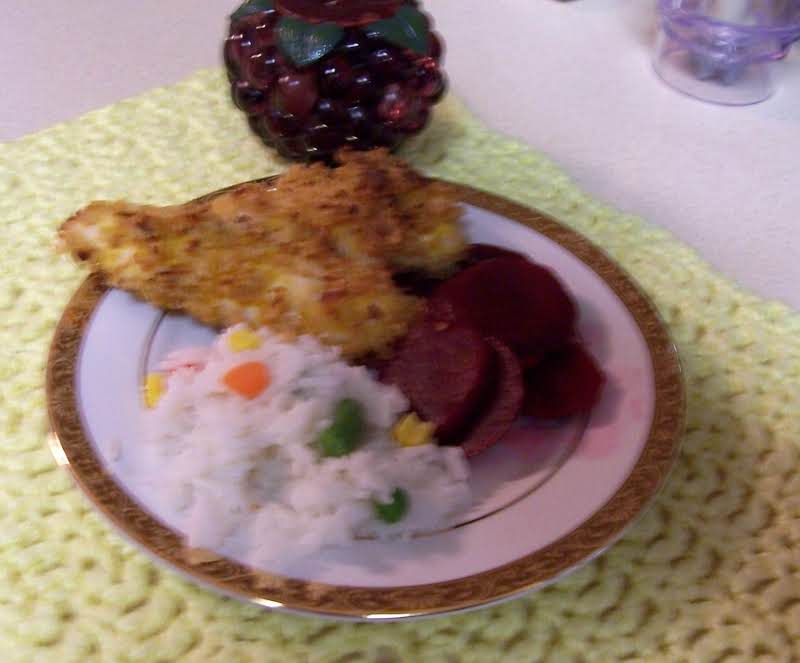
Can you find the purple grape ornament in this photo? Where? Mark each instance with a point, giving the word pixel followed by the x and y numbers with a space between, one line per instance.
pixel 316 75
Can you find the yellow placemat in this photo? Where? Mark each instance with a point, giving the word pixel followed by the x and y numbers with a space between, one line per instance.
pixel 709 574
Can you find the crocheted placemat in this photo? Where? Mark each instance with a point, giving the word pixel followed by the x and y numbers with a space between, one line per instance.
pixel 710 573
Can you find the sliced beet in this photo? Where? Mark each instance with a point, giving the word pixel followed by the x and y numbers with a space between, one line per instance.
pixel 422 285
pixel 480 252
pixel 516 301
pixel 566 382
pixel 501 407
pixel 531 359
pixel 444 371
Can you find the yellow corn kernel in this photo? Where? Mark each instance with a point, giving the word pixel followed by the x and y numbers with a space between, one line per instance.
pixel 243 339
pixel 411 431
pixel 444 237
pixel 153 389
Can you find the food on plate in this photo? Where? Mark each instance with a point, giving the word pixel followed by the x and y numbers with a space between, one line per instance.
pixel 512 299
pixel 376 208
pixel 153 389
pixel 278 435
pixel 283 444
pixel 479 252
pixel 243 339
pixel 422 285
pixel 467 387
pixel 496 340
pixel 412 431
pixel 346 430
pixel 444 370
pixel 249 379
pixel 501 407
pixel 313 254
pixel 311 460
pixel 317 254
pixel 393 510
pixel 565 382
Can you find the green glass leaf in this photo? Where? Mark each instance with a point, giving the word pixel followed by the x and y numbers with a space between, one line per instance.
pixel 252 7
pixel 408 28
pixel 304 43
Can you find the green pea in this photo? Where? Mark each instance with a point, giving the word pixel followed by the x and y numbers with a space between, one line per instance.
pixel 348 418
pixel 345 431
pixel 394 511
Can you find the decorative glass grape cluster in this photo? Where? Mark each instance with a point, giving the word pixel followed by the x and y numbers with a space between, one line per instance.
pixel 315 75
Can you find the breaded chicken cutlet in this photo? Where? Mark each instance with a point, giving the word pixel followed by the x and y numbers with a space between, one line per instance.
pixel 312 254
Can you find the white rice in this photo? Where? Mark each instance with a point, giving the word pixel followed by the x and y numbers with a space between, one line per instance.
pixel 234 466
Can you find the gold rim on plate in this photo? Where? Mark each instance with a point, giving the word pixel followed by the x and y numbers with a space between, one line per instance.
pixel 73 450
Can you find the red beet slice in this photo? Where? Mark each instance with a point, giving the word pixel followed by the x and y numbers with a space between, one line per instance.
pixel 479 252
pixel 520 303
pixel 566 382
pixel 444 371
pixel 502 407
pixel 421 285
pixel 531 359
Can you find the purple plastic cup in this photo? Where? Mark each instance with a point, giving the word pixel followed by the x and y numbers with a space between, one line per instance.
pixel 724 51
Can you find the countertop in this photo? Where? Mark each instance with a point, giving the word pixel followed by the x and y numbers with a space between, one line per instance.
pixel 573 80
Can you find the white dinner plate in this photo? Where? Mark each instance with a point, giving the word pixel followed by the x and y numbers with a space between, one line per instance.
pixel 549 497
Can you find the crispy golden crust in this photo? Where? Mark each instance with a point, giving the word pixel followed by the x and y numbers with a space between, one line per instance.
pixel 377 206
pixel 313 255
